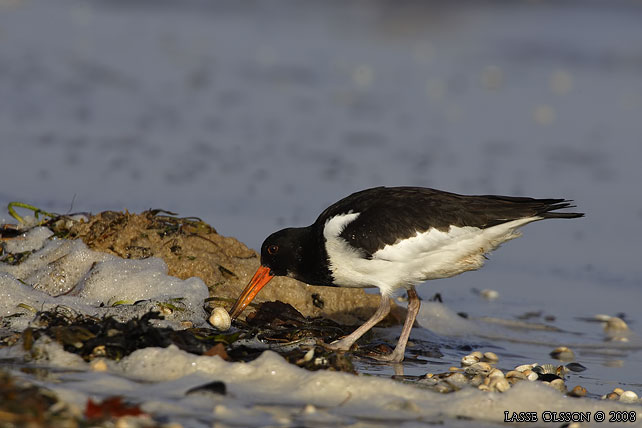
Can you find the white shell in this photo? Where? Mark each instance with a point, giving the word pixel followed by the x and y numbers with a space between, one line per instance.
pixel 220 319
pixel 99 365
pixel 496 373
pixel 525 367
pixel 615 323
pixel 308 355
pixel 469 360
pixel 499 384
pixel 477 354
pixel 628 397
pixel 489 294
pixel 491 357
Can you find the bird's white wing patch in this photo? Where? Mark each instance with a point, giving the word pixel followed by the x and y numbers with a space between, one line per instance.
pixel 440 254
pixel 425 242
pixel 335 225
pixel 428 255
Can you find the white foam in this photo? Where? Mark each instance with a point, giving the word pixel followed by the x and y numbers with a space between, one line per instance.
pixel 440 319
pixel 67 272
pixel 167 373
pixel 57 267
pixel 31 240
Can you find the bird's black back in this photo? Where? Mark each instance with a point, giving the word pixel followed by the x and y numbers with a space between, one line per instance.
pixel 389 214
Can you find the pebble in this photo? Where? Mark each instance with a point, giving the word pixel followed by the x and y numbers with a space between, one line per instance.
pixel 220 319
pixel 491 357
pixel 532 376
pixel 628 397
pixel 611 396
pixel 577 391
pixel 618 391
pixel 563 353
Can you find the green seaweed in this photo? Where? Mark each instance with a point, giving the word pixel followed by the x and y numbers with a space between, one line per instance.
pixel 36 211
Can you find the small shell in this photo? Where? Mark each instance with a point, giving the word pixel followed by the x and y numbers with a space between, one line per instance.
pixel 309 409
pixel 308 355
pixel 480 367
pixel 477 354
pixel 611 396
pixel 491 357
pixel 514 374
pixel 532 376
pixel 545 369
pixel 563 353
pixel 499 384
pixel 558 384
pixel 220 319
pixel 496 373
pixel 98 365
pixel 457 379
pixel 525 367
pixel 615 324
pixel 602 317
pixel 578 391
pixel 628 397
pixel 477 380
pixel 489 294
pixel 469 360
pixel 618 391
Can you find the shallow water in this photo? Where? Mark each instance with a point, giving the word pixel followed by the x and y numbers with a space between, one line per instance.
pixel 257 116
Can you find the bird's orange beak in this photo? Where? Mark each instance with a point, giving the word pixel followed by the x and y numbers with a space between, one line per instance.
pixel 258 281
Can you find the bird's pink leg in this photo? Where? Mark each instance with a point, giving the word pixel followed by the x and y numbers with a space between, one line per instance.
pixel 345 343
pixel 413 308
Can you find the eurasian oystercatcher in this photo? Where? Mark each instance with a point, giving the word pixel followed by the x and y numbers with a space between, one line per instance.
pixel 395 238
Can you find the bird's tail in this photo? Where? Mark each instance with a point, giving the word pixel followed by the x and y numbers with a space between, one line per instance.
pixel 550 205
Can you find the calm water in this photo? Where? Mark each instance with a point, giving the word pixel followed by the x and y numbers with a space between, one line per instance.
pixel 256 116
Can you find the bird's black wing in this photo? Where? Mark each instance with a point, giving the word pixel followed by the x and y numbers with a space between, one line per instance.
pixel 389 214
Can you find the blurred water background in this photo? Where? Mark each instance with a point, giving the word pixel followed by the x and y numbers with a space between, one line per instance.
pixel 257 115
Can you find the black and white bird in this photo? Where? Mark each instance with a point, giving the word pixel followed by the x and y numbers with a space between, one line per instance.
pixel 395 238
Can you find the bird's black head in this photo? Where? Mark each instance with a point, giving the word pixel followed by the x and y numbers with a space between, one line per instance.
pixel 282 252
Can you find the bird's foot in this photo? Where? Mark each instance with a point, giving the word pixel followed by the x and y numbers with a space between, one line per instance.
pixel 339 345
pixel 393 357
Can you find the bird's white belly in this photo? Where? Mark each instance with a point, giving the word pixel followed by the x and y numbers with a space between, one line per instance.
pixel 429 255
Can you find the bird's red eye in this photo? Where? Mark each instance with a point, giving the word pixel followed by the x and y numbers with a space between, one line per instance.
pixel 273 249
